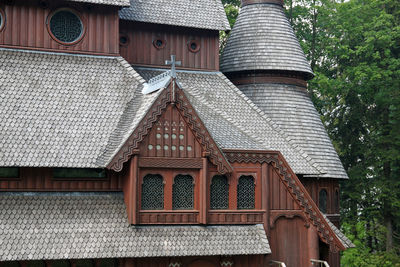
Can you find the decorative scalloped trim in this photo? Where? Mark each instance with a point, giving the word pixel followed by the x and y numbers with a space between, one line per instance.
pixel 194 122
pixel 295 188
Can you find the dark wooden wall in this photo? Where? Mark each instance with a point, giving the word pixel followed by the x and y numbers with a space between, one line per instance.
pixel 26 27
pixel 41 179
pixel 140 49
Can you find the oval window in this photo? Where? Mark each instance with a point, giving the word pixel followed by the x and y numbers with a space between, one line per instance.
pixel 159 43
pixel 2 19
pixel 65 26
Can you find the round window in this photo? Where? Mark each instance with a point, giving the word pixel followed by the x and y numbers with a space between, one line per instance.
pixel 2 19
pixel 66 26
pixel 123 39
pixel 193 46
pixel 159 43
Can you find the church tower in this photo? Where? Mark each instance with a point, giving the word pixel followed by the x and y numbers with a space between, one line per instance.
pixel 263 58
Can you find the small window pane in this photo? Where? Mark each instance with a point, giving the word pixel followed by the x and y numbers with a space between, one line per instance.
pixel 9 264
pixel 245 193
pixel 106 263
pixel 182 192
pixel 66 26
pixel 337 201
pixel 78 173
pixel 9 172
pixel 35 264
pixel 323 197
pixel 153 192
pixel 219 193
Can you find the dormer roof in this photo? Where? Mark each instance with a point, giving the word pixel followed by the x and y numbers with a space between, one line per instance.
pixel 202 14
pixel 262 39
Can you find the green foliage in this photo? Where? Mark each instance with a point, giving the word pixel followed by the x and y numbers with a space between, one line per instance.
pixel 353 47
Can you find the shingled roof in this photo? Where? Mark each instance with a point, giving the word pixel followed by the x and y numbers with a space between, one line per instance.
pixel 292 109
pixel 233 120
pixel 124 3
pixel 203 14
pixel 263 39
pixel 93 225
pixel 62 110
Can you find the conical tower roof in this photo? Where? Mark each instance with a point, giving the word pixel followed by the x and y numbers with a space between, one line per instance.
pixel 263 39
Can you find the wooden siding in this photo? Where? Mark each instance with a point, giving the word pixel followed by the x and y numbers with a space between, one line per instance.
pixel 41 179
pixel 313 187
pixel 26 28
pixel 140 49
pixel 171 138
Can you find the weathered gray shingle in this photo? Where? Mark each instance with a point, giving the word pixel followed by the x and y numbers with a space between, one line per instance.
pixel 64 110
pixel 36 226
pixel 234 121
pixel 263 39
pixel 292 109
pixel 343 239
pixel 204 14
pixel 124 3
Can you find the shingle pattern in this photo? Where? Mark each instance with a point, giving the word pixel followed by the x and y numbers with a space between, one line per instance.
pixel 263 39
pixel 76 226
pixel 65 110
pixel 291 107
pixel 204 14
pixel 233 120
pixel 343 239
pixel 124 3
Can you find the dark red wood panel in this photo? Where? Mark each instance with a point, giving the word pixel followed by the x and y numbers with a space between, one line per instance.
pixel 41 179
pixel 26 27
pixel 140 49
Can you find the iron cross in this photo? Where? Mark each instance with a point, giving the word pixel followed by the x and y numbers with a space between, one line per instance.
pixel 173 64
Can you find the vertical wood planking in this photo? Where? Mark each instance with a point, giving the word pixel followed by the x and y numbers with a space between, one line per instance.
pixel 141 51
pixel 26 28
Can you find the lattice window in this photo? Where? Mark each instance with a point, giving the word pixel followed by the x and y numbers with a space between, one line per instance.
pixel 153 192
pixel 183 192
pixel 219 193
pixel 246 192
pixel 66 26
pixel 323 200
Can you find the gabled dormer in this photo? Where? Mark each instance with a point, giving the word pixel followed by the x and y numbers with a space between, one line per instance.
pixel 89 27
pixel 151 31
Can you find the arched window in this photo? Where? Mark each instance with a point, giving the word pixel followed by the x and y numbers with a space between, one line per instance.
pixel 183 192
pixel 323 200
pixel 336 201
pixel 245 192
pixel 153 192
pixel 219 193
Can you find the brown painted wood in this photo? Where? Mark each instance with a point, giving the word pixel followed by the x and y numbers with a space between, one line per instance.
pixel 140 49
pixel 180 163
pixel 203 191
pixel 26 27
pixel 41 179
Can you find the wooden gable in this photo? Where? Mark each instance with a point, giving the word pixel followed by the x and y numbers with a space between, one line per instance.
pixel 171 137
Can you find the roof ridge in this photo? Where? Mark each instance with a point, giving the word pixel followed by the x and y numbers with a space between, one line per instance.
pixel 273 124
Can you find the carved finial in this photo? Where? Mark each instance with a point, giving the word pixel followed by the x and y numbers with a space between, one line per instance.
pixel 173 64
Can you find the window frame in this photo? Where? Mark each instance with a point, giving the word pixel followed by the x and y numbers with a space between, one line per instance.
pixel 227 192
pixel 74 11
pixel 141 191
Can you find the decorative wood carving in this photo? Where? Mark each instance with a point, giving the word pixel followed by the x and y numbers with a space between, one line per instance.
pixel 192 120
pixel 236 217
pixel 288 214
pixel 295 188
pixel 226 262
pixel 171 163
pixel 169 217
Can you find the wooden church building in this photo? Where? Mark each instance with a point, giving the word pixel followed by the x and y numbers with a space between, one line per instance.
pixel 127 140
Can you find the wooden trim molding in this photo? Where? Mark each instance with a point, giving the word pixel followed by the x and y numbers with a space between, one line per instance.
pixel 169 217
pixel 288 214
pixel 179 163
pixel 172 95
pixel 295 188
pixel 270 79
pixel 236 216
